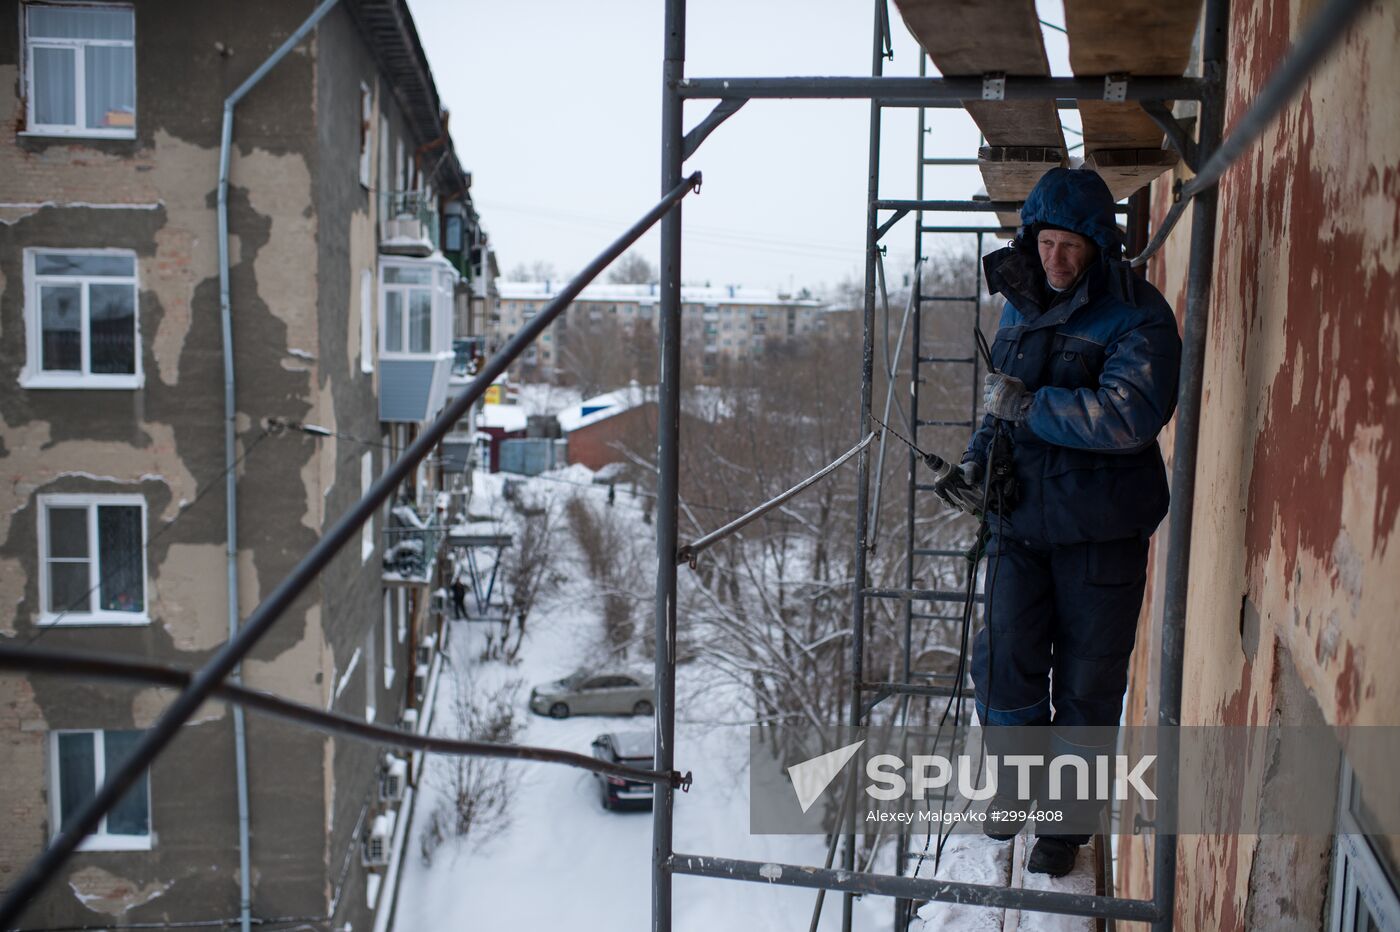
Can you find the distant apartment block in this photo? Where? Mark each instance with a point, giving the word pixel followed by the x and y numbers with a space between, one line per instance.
pixel 718 323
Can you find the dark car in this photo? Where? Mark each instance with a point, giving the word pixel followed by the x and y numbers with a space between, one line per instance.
pixel 634 749
pixel 593 692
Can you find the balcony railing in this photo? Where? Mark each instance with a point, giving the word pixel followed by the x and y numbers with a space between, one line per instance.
pixel 410 546
pixel 409 224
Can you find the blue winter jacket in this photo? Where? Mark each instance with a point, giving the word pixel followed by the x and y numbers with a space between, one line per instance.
pixel 1103 365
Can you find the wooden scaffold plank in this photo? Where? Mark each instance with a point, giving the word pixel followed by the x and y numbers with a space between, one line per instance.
pixel 1144 38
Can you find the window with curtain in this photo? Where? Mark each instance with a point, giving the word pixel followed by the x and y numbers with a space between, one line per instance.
pixel 93 554
pixel 80 762
pixel 81 313
pixel 80 69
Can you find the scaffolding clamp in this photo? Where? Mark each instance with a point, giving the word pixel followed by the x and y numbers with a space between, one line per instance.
pixel 681 783
pixel 994 85
pixel 1115 87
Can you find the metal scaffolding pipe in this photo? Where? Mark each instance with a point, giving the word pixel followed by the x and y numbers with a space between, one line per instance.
pixel 95 666
pixel 972 894
pixel 668 465
pixel 931 92
pixel 689 552
pixel 972 206
pixel 867 374
pixel 1215 47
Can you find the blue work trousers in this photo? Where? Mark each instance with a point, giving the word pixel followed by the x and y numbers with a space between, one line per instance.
pixel 1061 621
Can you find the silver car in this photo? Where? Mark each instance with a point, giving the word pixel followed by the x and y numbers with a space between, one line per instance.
pixel 588 692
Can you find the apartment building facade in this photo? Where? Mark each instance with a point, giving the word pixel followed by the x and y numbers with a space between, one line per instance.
pixel 728 323
pixel 352 244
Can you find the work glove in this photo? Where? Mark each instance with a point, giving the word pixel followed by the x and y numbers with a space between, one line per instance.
pixel 961 487
pixel 1006 397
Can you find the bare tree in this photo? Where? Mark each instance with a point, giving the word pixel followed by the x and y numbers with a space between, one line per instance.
pixel 612 560
pixel 594 353
pixel 538 271
pixel 633 269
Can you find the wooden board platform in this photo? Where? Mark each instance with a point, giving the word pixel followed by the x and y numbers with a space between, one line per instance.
pixel 1126 170
pixel 955 33
pixel 1134 37
pixel 1011 171
pixel 972 37
pixel 1143 37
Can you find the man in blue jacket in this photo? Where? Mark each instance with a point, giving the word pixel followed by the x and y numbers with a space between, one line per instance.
pixel 1086 359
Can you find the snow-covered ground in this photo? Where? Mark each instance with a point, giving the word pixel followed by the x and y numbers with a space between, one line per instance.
pixel 562 862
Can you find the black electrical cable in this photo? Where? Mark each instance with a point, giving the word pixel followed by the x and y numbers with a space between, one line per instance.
pixel 88 666
pixel 955 700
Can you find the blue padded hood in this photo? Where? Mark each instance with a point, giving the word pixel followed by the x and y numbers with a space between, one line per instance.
pixel 1078 200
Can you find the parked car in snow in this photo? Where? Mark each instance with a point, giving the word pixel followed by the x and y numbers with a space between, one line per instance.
pixel 592 692
pixel 634 749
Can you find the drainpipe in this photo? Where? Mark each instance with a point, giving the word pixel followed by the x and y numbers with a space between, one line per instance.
pixel 240 741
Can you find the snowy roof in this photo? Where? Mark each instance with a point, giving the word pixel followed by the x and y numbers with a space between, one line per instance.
pixel 600 407
pixel 651 294
pixel 502 417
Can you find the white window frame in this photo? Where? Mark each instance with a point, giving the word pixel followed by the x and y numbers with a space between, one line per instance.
pixel 385 183
pixel 1359 880
pixel 366 132
pixel 34 128
pixel 371 675
pixel 98 616
pixel 99 840
pixel 366 529
pixel 368 314
pixel 439 309
pixel 402 607
pixel 33 375
pixel 388 623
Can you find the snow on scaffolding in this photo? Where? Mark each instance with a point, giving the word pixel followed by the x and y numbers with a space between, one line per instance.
pixel 974 858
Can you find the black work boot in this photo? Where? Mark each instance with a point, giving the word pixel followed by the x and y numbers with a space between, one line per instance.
pixel 1053 856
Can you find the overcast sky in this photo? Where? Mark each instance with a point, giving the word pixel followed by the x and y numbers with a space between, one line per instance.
pixel 556 109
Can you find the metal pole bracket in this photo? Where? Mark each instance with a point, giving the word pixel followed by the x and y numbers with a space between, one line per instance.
pixel 1115 87
pixel 994 85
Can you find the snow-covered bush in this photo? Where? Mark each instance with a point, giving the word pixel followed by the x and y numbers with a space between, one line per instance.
pixel 609 548
pixel 474 792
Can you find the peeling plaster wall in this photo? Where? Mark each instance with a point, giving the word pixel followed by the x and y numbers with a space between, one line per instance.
pixel 352 596
pixel 1295 576
pixel 292 230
